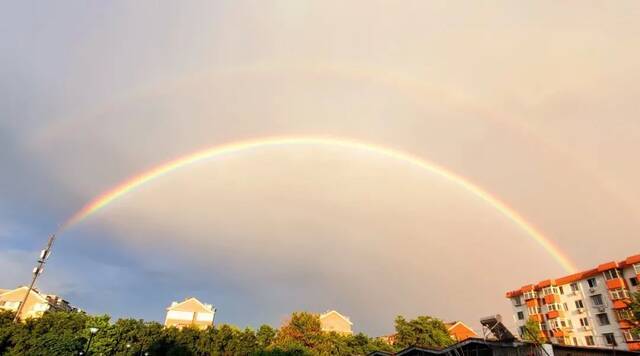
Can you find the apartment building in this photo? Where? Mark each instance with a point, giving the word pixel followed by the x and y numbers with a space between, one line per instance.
pixel 190 313
pixel 589 308
pixel 36 304
pixel 336 322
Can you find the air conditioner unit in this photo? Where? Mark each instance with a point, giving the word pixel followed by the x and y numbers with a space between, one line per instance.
pixel 587 328
pixel 592 290
pixel 580 310
pixel 602 309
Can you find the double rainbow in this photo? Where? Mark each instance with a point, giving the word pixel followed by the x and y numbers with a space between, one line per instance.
pixel 134 182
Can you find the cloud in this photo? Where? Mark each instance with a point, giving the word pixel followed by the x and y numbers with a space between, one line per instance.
pixel 530 103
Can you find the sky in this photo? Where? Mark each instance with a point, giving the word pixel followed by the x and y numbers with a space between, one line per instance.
pixel 534 103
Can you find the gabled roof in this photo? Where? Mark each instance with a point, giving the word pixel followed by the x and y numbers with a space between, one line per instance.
pixel 34 292
pixel 192 304
pixel 453 324
pixel 336 313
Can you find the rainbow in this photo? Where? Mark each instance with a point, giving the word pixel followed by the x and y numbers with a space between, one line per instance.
pixel 134 182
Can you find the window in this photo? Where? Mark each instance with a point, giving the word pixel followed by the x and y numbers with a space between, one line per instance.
pixel 534 310
pixel 522 332
pixel 530 295
pixel 40 307
pixel 619 293
pixel 629 336
pixel 609 339
pixel 11 305
pixel 517 301
pixel 520 315
pixel 579 304
pixel 584 322
pixel 566 307
pixel 550 290
pixel 636 267
pixel 561 290
pixel 574 287
pixel 592 282
pixel 597 300
pixel 589 340
pixel 633 281
pixel 554 306
pixel 603 319
pixel 575 341
pixel 611 274
pixel 624 314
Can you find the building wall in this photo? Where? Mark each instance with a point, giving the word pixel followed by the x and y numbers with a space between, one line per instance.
pixel 35 305
pixel 189 313
pixel 560 305
pixel 333 322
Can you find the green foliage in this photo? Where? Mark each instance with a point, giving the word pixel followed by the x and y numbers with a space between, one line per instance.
pixel 532 333
pixel 301 332
pixel 422 331
pixel 61 333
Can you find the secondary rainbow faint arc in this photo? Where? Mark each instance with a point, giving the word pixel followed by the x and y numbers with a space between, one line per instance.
pixel 136 181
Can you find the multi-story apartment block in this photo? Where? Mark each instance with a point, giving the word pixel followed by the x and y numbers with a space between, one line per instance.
pixel 36 304
pixel 589 308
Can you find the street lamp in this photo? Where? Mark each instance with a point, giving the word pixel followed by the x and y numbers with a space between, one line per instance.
pixel 92 332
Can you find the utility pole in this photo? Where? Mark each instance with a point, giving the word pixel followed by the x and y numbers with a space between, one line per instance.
pixel 44 254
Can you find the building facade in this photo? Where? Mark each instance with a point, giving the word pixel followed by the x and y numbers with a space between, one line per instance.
pixel 190 313
pixel 36 304
pixel 332 321
pixel 589 308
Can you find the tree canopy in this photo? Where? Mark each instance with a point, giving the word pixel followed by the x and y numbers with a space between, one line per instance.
pixel 65 333
pixel 422 331
pixel 533 333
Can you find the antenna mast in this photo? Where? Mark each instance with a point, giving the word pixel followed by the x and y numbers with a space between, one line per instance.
pixel 37 271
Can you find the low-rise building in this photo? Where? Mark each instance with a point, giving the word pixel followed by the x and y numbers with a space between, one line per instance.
pixel 190 312
pixel 589 308
pixel 35 305
pixel 336 322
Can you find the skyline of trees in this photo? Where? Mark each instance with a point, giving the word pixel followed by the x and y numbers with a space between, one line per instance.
pixel 67 333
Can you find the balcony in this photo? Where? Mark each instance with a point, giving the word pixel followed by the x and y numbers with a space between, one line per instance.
pixel 616 283
pixel 537 317
pixel 555 314
pixel 551 299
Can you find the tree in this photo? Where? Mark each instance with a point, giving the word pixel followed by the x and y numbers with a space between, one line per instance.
pixel 422 331
pixel 301 331
pixel 532 332
pixel 265 336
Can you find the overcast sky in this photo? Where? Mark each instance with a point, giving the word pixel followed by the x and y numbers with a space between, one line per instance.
pixel 537 104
